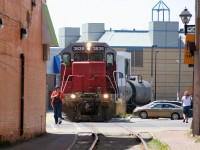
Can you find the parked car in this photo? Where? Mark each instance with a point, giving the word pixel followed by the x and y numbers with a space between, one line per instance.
pixel 159 110
pixel 174 102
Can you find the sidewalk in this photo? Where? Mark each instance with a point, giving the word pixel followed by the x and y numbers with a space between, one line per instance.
pixel 177 140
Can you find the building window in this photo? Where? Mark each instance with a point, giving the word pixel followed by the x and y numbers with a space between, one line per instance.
pixel 137 58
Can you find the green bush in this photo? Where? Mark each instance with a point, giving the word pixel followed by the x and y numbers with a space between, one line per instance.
pixel 155 144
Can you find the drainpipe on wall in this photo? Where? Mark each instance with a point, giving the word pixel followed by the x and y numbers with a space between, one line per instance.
pixel 22 96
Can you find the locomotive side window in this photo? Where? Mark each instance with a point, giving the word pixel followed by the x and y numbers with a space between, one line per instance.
pixel 96 57
pixel 66 59
pixel 80 57
pixel 110 59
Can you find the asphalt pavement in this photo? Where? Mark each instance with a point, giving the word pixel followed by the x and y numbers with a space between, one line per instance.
pixel 48 141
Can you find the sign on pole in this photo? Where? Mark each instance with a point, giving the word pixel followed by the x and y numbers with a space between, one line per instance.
pixel 188 58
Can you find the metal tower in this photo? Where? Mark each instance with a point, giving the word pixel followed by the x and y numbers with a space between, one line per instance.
pixel 161 7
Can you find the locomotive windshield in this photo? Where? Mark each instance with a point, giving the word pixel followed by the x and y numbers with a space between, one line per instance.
pixel 84 57
pixel 96 57
pixel 80 57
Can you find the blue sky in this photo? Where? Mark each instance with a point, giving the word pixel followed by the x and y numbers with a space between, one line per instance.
pixel 116 14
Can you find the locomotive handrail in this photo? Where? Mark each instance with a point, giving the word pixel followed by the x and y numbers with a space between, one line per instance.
pixel 115 82
pixel 63 76
pixel 110 82
pixel 94 76
pixel 68 79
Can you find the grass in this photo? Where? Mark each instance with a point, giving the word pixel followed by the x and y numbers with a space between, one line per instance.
pixel 196 137
pixel 155 144
pixel 123 115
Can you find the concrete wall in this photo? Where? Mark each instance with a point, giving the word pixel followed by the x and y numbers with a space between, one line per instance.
pixel 15 15
pixel 164 34
pixel 92 31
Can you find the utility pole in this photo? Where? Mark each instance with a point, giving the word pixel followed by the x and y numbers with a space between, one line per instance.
pixel 196 98
pixel 179 70
pixel 152 88
pixel 155 75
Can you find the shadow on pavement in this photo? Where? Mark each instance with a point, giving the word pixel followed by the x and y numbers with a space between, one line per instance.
pixel 48 141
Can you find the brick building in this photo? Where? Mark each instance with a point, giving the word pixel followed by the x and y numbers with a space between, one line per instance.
pixel 26 32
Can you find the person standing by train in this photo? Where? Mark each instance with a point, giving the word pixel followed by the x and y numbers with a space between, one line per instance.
pixel 57 99
pixel 186 103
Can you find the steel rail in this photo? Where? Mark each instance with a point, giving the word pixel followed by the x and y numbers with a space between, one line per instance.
pixel 70 147
pixel 138 136
pixel 93 134
pixel 95 142
pixel 96 136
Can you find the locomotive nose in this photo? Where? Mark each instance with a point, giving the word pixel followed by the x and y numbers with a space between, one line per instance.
pixel 88 76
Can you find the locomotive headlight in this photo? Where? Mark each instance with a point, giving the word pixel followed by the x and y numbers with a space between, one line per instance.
pixel 105 96
pixel 89 46
pixel 73 96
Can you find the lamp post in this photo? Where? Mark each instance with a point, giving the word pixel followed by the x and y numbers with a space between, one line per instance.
pixel 185 17
pixel 155 73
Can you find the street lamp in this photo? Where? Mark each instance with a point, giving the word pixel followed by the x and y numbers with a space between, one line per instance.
pixel 185 17
pixel 155 73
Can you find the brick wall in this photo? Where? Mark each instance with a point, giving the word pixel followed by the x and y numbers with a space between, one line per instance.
pixel 17 14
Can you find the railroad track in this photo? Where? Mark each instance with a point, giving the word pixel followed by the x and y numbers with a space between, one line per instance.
pixel 138 136
pixel 85 140
pixel 94 139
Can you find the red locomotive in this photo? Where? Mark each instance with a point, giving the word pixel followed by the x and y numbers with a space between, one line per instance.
pixel 88 81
